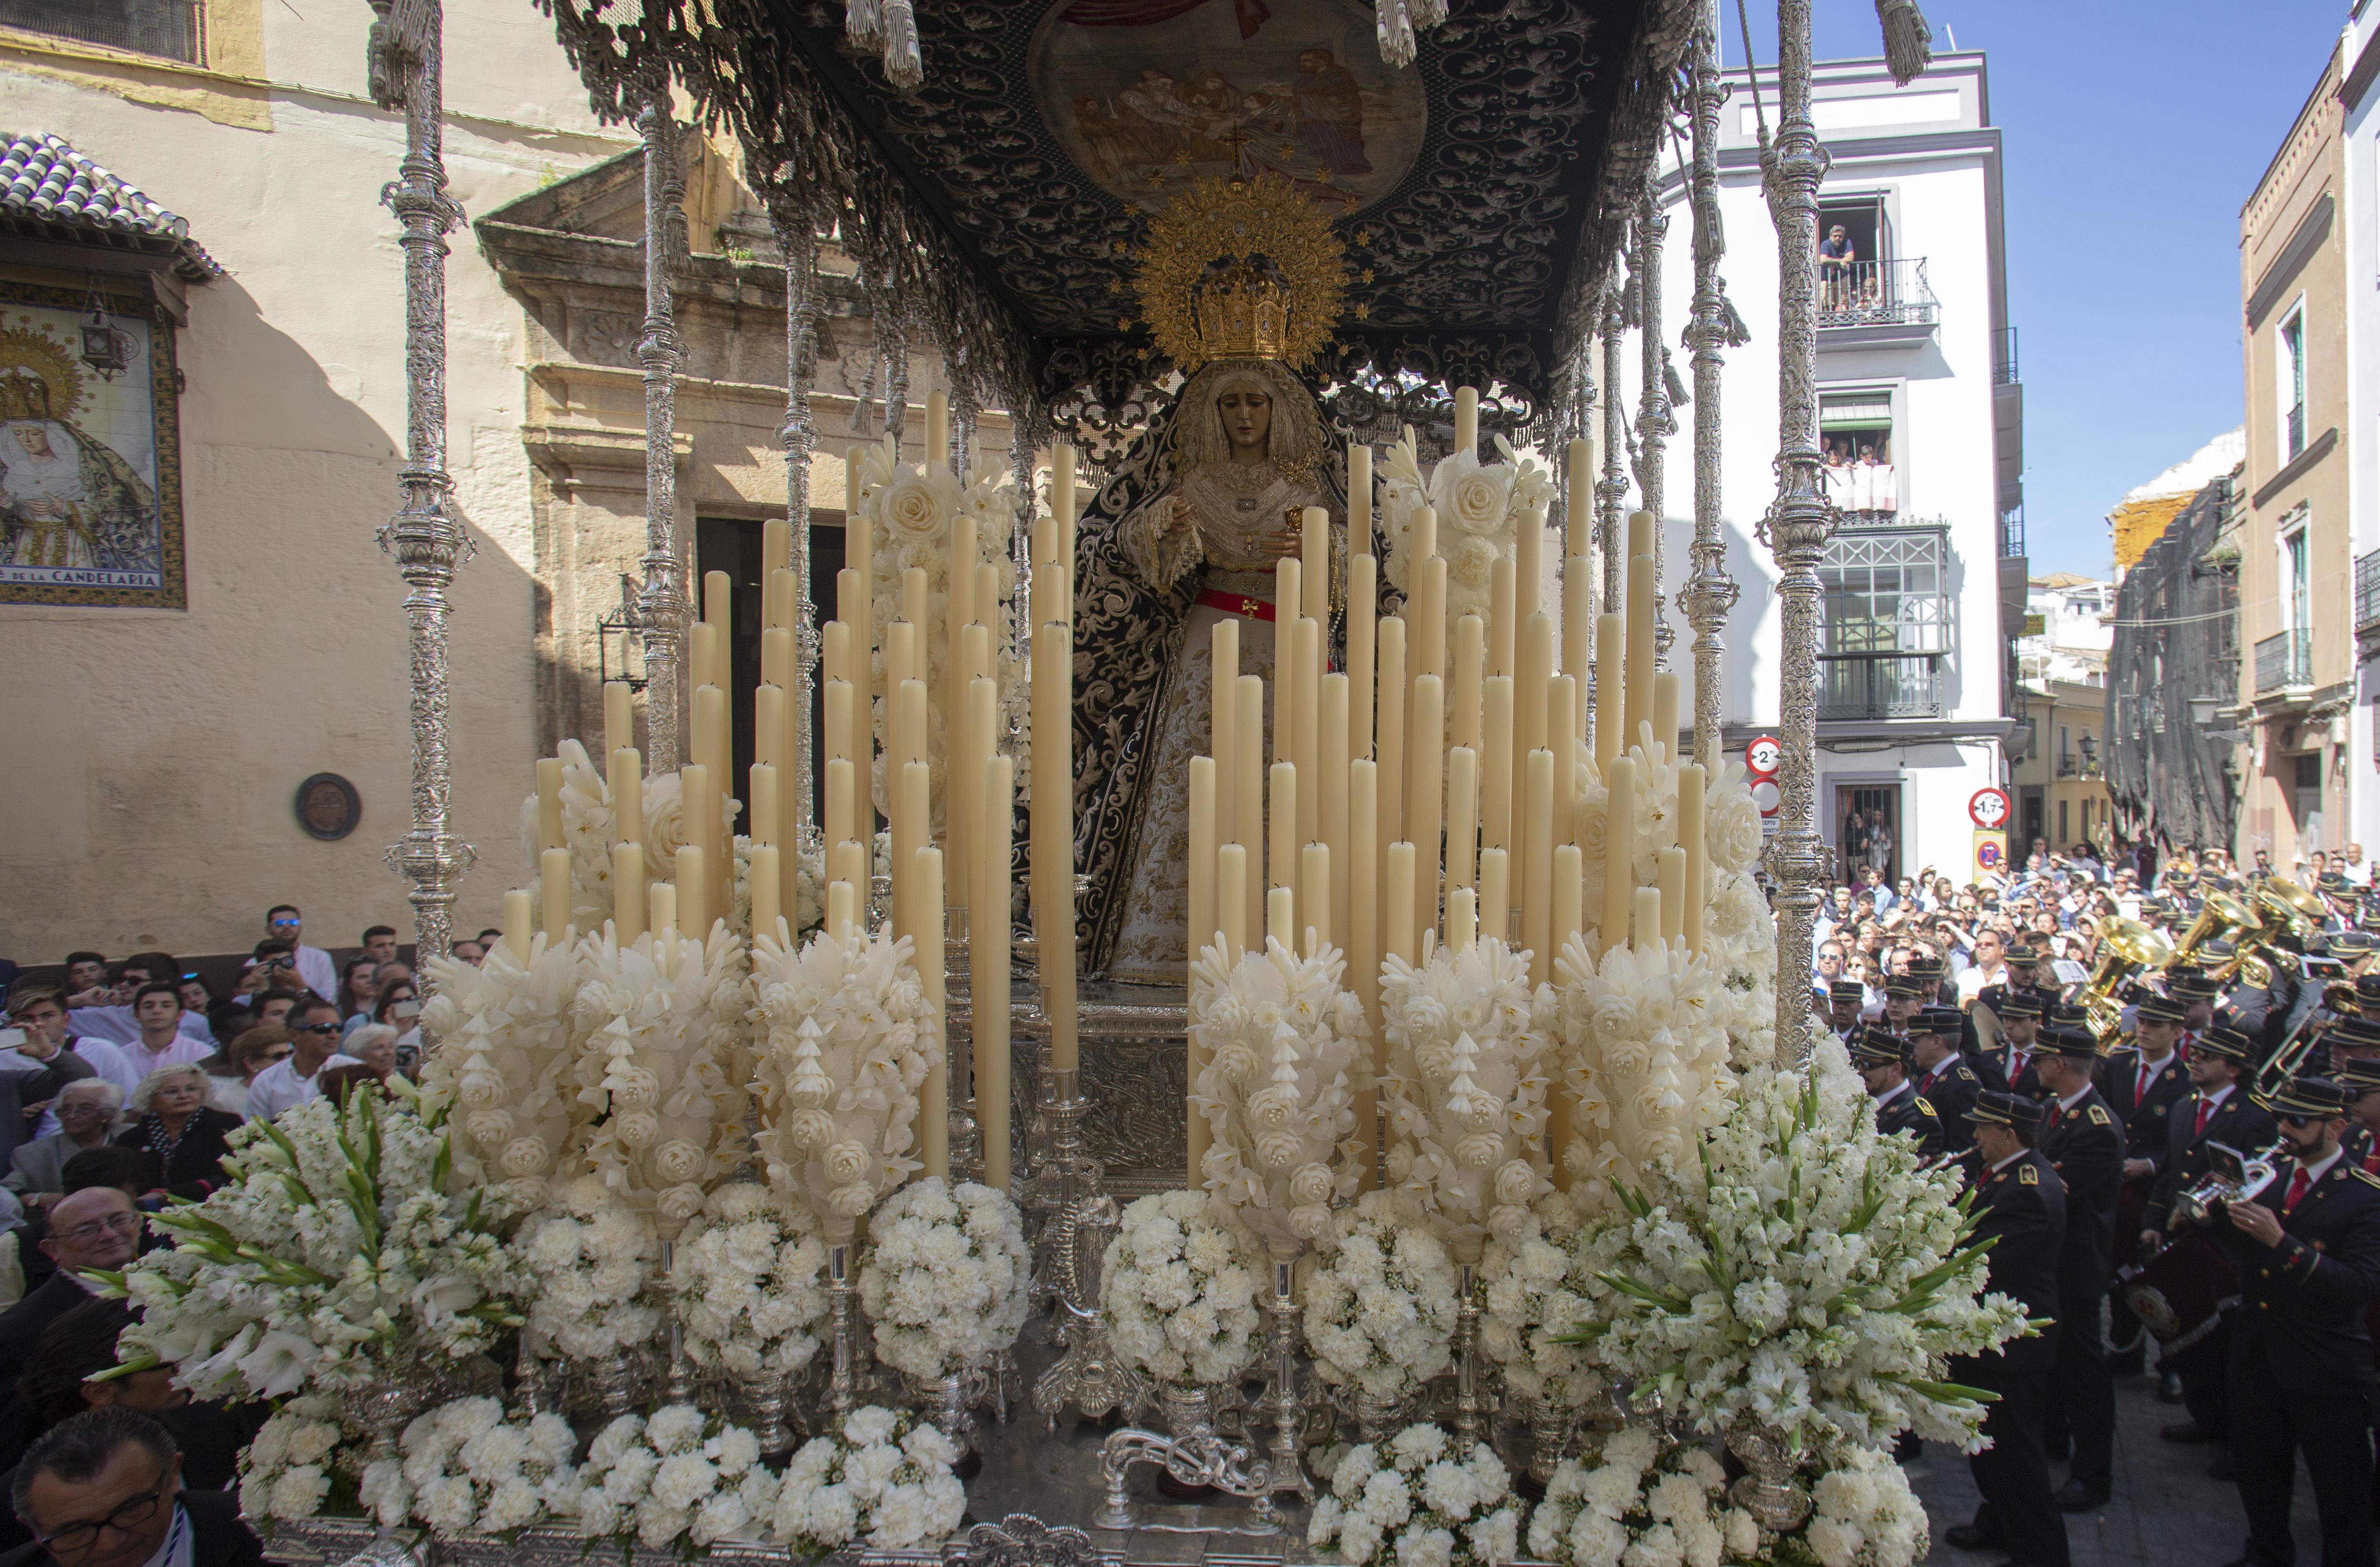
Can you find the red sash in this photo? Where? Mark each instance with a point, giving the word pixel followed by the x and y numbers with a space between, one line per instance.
pixel 1234 603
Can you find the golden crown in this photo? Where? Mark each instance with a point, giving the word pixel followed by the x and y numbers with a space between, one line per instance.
pixel 39 377
pixel 1241 269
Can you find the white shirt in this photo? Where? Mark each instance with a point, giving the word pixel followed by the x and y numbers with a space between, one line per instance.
pixel 278 1087
pixel 2314 1173
pixel 2360 873
pixel 127 1065
pixel 2012 1159
pixel 176 1547
pixel 116 1026
pixel 321 976
pixel 2070 1100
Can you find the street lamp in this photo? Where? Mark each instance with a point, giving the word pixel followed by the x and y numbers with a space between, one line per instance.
pixel 2201 710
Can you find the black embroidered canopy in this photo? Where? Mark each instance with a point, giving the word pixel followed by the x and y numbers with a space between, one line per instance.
pixel 1481 190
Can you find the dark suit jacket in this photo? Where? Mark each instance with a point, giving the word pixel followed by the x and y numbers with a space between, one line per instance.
pixel 1952 1091
pixel 2022 1210
pixel 2303 1300
pixel 1908 1112
pixel 21 1324
pixel 2236 1123
pixel 218 1538
pixel 2087 1149
pixel 2145 1116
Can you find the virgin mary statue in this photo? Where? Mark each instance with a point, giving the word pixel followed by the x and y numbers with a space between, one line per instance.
pixel 1186 534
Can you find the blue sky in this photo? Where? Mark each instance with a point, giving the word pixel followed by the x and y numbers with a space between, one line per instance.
pixel 2133 132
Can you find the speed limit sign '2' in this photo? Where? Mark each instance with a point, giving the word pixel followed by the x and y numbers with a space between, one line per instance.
pixel 1760 762
pixel 1988 809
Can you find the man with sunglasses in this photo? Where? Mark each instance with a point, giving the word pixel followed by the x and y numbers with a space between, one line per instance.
pixel 103 1489
pixel 2308 1252
pixel 313 1028
pixel 283 923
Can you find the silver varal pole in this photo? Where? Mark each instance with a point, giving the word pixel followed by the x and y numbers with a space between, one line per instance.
pixel 662 604
pixel 1709 593
pixel 423 537
pixel 1799 520
pixel 1653 403
pixel 1611 490
pixel 798 243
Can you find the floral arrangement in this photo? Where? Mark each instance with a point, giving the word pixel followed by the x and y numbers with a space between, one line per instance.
pixel 1180 1290
pixel 470 1467
pixel 1481 509
pixel 331 1256
pixel 914 513
pixel 659 1028
pixel 679 1472
pixel 745 1274
pixel 1643 1505
pixel 944 1284
pixel 1644 1057
pixel 850 1038
pixel 1806 1275
pixel 1380 1302
pixel 1539 1289
pixel 285 1471
pixel 1863 1514
pixel 1284 1048
pixel 587 833
pixel 1466 1088
pixel 877 1477
pixel 592 1256
pixel 504 1060
pixel 1412 1502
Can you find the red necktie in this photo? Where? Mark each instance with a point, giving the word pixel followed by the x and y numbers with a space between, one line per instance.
pixel 2205 1112
pixel 2141 1093
pixel 2297 1190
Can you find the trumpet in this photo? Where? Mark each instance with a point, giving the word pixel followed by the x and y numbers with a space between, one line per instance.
pixel 2235 1177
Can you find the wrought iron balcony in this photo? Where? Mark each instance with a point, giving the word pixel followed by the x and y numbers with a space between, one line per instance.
pixel 2004 371
pixel 1876 294
pixel 2285 660
pixel 170 28
pixel 2296 429
pixel 2367 594
pixel 1873 686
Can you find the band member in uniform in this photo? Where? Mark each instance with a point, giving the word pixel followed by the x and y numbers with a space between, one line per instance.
pixel 1904 994
pixel 2142 1084
pixel 1981 1035
pixel 2360 1078
pixel 2083 1144
pixel 2020 1209
pixel 2219 1112
pixel 2197 994
pixel 2301 1378
pixel 1875 1056
pixel 2021 1020
pixel 1949 1084
pixel 1843 999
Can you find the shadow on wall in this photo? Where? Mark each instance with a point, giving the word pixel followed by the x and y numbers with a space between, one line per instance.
pixel 1748 562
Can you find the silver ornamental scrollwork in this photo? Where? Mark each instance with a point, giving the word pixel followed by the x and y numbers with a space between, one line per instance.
pixel 1800 519
pixel 664 603
pixel 1711 593
pixel 427 542
pixel 1654 421
pixel 796 235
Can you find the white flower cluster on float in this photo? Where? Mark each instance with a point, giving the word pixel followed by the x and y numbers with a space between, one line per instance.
pixel 470 1467
pixel 1285 1047
pixel 1644 1055
pixel 587 833
pixel 1466 1088
pixel 1863 1514
pixel 746 1277
pixel 1380 1301
pixel 1481 509
pixel 285 1472
pixel 660 1031
pixel 850 1041
pixel 331 1256
pixel 1539 1288
pixel 504 1064
pixel 879 1477
pixel 1414 1501
pixel 915 512
pixel 592 1256
pixel 945 1281
pixel 678 1476
pixel 1642 1506
pixel 1805 1274
pixel 1179 1285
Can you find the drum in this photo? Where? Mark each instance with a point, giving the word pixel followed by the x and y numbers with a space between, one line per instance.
pixel 2131 1206
pixel 2180 1294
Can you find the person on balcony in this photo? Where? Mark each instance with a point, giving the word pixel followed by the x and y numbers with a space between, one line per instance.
pixel 1836 257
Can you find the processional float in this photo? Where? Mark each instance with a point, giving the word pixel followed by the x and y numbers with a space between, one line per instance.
pixel 767 1122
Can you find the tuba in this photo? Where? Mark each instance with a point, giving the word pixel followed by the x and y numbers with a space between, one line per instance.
pixel 2219 915
pixel 2236 1177
pixel 2284 911
pixel 2127 949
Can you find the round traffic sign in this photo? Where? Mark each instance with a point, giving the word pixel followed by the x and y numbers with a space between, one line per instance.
pixel 1988 808
pixel 1764 794
pixel 1988 854
pixel 1761 757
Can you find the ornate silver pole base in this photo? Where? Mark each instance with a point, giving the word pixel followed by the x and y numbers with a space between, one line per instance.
pixel 677 1386
pixel 765 1402
pixel 1283 1398
pixel 1469 1405
pixel 949 1401
pixel 842 1307
pixel 1076 1219
pixel 1193 1455
pixel 1768 1492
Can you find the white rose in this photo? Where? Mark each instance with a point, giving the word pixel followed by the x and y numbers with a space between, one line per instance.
pixel 912 509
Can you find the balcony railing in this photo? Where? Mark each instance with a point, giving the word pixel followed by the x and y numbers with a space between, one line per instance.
pixel 2285 660
pixel 170 28
pixel 1876 294
pixel 2066 766
pixel 1869 686
pixel 2296 429
pixel 2012 532
pixel 2004 373
pixel 2367 594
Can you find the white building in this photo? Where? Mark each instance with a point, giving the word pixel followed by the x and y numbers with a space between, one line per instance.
pixel 1919 393
pixel 2358 758
pixel 2067 636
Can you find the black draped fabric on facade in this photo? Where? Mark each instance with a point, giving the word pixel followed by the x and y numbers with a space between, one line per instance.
pixel 2172 779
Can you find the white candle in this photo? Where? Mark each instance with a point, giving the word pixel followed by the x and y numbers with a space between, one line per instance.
pixel 1648 916
pixel 1463 687
pixel 694 915
pixel 859 550
pixel 1314 547
pixel 1062 496
pixel 1429 616
pixel 1333 805
pixel 627 781
pixel 1223 729
pixel 1424 793
pixel 1231 900
pixel 1538 869
pixel 1528 565
pixel 1398 938
pixel 776 656
pixel 1463 919
pixel 1618 848
pixel 1670 873
pixel 549 803
pixel 1578 630
pixel 1363 609
pixel 1280 860
pixel 842 908
pixel 912 817
pixel 628 893
pixel 519 926
pixel 1611 689
pixel 766 893
pixel 990 953
pixel 1306 743
pixel 934 1103
pixel 1314 928
pixel 938 430
pixel 1496 763
pixel 662 900
pixel 1248 797
pixel 1280 916
pixel 1638 709
pixel 1363 890
pixel 1578 512
pixel 1466 418
pixel 1389 740
pixel 1461 817
pixel 1561 739
pixel 1359 498
pixel 1203 844
pixel 619 716
pixel 1495 895
pixel 698 814
pixel 1693 836
pixel 1503 619
pixel 1665 712
pixel 764 805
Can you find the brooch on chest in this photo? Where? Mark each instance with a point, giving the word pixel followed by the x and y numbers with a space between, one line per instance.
pixel 1244 503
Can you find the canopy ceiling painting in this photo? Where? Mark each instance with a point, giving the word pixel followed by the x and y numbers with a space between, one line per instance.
pixel 1481 191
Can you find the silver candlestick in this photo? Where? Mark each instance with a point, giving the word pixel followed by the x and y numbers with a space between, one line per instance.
pixel 842 1305
pixel 1077 1220
pixel 1469 1406
pixel 1283 1398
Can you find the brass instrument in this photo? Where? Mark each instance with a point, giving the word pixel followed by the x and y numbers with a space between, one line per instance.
pixel 2127 949
pixel 2236 1178
pixel 2219 915
pixel 2282 908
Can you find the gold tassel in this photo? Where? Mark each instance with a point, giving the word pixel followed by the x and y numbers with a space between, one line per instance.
pixel 1908 41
